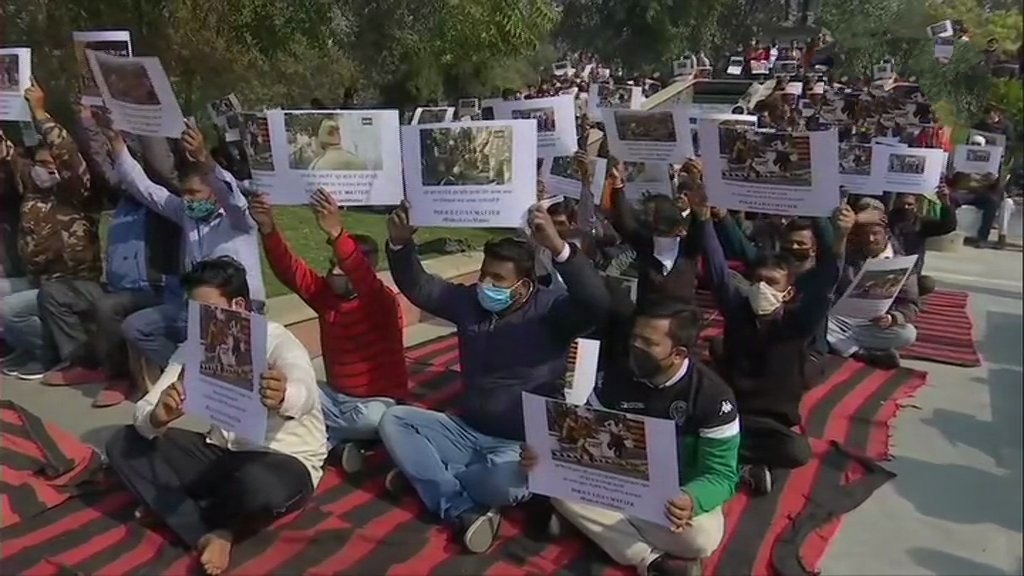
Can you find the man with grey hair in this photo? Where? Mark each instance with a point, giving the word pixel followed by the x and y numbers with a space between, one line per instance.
pixel 875 342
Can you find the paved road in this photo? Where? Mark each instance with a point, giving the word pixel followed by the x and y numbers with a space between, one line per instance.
pixel 955 508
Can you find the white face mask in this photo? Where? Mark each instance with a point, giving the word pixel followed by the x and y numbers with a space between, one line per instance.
pixel 764 299
pixel 44 178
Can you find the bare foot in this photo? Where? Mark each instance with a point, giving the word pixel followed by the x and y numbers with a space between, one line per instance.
pixel 215 552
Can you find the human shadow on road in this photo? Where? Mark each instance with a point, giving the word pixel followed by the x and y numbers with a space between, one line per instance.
pixel 941 562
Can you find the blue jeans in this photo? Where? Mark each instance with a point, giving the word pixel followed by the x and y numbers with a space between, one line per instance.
pixel 24 330
pixel 453 468
pixel 156 332
pixel 349 418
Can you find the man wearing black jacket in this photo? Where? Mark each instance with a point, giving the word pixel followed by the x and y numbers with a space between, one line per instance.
pixel 913 230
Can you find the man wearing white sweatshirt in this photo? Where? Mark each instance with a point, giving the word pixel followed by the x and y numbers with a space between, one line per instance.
pixel 212 488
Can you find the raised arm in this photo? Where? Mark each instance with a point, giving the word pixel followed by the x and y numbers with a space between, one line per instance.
pixel 945 223
pixel 287 266
pixel 733 241
pixel 62 146
pixel 819 283
pixel 347 252
pixel 97 153
pixel 426 291
pixel 726 293
pixel 134 180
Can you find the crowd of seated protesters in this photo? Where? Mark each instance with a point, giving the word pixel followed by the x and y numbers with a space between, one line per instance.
pixel 738 414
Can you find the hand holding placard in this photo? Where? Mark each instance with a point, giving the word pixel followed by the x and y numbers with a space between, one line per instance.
pixel 679 512
pixel 400 232
pixel 36 99
pixel 544 232
pixel 262 212
pixel 527 457
pixel 328 217
pixel 170 406
pixel 273 384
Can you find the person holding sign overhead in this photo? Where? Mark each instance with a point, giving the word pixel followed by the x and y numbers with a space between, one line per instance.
pixel 657 376
pixel 465 467
pixel 212 488
pixel 360 325
pixel 878 341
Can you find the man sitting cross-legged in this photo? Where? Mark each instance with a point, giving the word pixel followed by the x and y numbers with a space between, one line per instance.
pixel 211 489
pixel 360 325
pixel 773 319
pixel 878 341
pixel 659 378
pixel 514 336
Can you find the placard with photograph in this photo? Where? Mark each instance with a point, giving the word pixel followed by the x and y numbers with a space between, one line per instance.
pixel 581 370
pixel 224 112
pixel 855 168
pixel 684 66
pixel 353 154
pixel 614 460
pixel 433 115
pixel 467 107
pixel 226 354
pixel 562 176
pixel 944 46
pixel 883 71
pixel 991 138
pixel 648 135
pixel 562 68
pixel 977 159
pixel 608 96
pixel 695 116
pixel 787 67
pixel 941 29
pixel 643 179
pixel 15 78
pixel 112 42
pixel 908 170
pixel 873 290
pixel 760 68
pixel 556 122
pixel 138 94
pixel 735 67
pixel 770 171
pixel 470 174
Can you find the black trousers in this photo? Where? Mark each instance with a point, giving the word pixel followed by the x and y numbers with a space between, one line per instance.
pixel 86 321
pixel 768 442
pixel 196 487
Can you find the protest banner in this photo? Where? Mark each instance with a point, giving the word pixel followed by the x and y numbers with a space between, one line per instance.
pixel 944 46
pixel 15 78
pixel 556 122
pixel 111 42
pixel 875 288
pixel 433 115
pixel 909 170
pixel 562 176
pixel 694 117
pixel 224 112
pixel 608 96
pixel 977 159
pixel 643 179
pixel 470 174
pixel 647 135
pixel 226 354
pixel 138 94
pixel 855 168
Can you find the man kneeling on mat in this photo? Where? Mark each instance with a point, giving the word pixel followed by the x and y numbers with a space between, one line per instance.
pixel 660 379
pixel 213 488
pixel 514 336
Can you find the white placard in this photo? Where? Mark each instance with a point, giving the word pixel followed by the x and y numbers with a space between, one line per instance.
pixel 467 107
pixel 355 155
pixel 562 68
pixel 435 115
pixel 15 78
pixel 562 177
pixel 787 67
pixel 111 42
pixel 684 66
pixel 855 168
pixel 644 179
pixel 769 171
pixel 760 67
pixel 617 461
pixel 555 118
pixel 908 170
pixel 941 29
pixel 607 96
pixel 648 135
pixel 883 71
pixel 224 112
pixel 944 46
pixel 138 94
pixel 581 373
pixel 470 174
pixel 226 353
pixel 255 133
pixel 991 138
pixel 876 286
pixel 977 159
pixel 735 67
pixel 695 116
pixel 794 88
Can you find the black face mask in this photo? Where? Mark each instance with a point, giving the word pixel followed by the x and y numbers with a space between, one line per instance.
pixel 341 285
pixel 644 364
pixel 900 215
pixel 800 254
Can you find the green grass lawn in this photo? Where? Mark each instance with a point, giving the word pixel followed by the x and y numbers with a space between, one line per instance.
pixel 300 229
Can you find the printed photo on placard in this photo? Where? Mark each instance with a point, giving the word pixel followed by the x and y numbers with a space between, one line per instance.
pixel 561 68
pixel 224 112
pixel 643 179
pixel 855 168
pixel 787 67
pixel 470 173
pixel 941 29
pixel 647 136
pixel 138 94
pixel 556 122
pixel 875 287
pixel 990 138
pixel 735 67
pixel 944 47
pixel 977 159
pixel 329 141
pixel 15 78
pixel 764 157
pixel 599 440
pixel 112 42
pixel 435 115
pixel 760 68
pixel 226 354
pixel 562 176
pixel 696 116
pixel 608 96
pixel 908 170
pixel 256 140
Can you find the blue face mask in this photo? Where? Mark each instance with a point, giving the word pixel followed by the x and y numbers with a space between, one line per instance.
pixel 200 209
pixel 494 299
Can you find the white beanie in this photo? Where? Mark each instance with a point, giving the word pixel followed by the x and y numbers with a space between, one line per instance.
pixel 977 140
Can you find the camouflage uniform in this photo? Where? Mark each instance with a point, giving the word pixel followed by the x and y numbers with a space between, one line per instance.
pixel 59 228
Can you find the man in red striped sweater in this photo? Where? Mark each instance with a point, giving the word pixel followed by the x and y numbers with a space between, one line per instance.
pixel 360 325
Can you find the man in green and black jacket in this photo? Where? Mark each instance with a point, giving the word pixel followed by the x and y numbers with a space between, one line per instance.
pixel 659 378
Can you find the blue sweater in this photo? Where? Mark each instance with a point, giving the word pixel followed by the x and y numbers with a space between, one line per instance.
pixel 504 356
